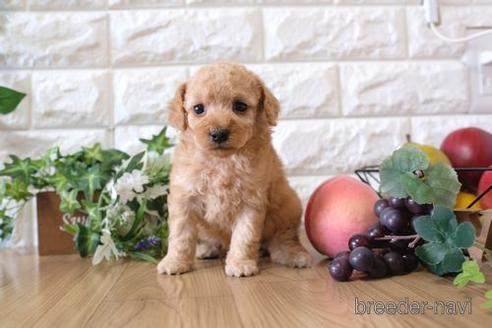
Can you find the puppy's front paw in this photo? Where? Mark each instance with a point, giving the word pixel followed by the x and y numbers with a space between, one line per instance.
pixel 173 266
pixel 241 268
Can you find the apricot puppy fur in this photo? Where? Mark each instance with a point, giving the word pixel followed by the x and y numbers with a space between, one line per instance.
pixel 228 191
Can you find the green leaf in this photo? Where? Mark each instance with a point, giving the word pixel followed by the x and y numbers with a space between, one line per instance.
pixel 86 241
pixel 438 186
pixel 59 181
pixel 464 236
pixel 143 257
pixel 470 272
pixel 9 100
pixel 136 223
pixel 17 190
pixel 407 159
pixel 445 219
pixel 22 169
pixel 69 202
pixel 453 260
pixel 91 180
pixel 70 228
pixel 93 154
pixel 487 304
pixel 158 143
pixel 135 162
pixel 427 228
pixel 432 252
pixel 112 158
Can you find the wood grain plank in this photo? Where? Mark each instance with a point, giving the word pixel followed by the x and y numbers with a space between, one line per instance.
pixel 190 312
pixel 141 281
pixel 28 297
pixel 79 303
pixel 67 290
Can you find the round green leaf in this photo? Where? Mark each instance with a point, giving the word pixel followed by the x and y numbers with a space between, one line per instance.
pixel 464 235
pixel 439 185
pixel 432 253
pixel 453 260
pixel 427 229
pixel 407 159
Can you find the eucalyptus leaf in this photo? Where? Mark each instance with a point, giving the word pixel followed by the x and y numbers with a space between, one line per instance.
pixel 453 260
pixel 445 219
pixel 427 228
pixel 464 235
pixel 432 252
pixel 439 185
pixel 407 159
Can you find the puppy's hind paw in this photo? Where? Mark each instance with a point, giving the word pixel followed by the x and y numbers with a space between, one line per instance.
pixel 298 259
pixel 172 266
pixel 241 268
pixel 301 260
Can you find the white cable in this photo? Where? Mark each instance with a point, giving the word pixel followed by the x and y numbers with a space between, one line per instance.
pixel 458 40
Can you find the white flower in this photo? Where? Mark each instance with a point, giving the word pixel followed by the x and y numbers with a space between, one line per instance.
pixel 156 191
pixel 129 184
pixel 154 162
pixel 106 250
pixel 110 188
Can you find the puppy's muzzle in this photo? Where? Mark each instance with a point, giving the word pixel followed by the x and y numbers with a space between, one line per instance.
pixel 219 136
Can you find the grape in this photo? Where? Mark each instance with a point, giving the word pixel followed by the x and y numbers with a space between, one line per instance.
pixel 361 259
pixel 415 207
pixel 396 202
pixel 400 245
pixel 394 261
pixel 380 205
pixel 410 262
pixel 340 269
pixel 379 268
pixel 394 220
pixel 342 254
pixel 358 240
pixel 376 231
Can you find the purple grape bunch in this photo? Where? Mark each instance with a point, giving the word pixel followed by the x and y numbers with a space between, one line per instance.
pixel 388 247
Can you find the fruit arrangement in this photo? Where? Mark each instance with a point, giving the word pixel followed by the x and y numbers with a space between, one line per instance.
pixel 469 148
pixel 416 224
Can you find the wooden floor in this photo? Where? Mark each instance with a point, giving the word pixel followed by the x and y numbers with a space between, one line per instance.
pixel 66 291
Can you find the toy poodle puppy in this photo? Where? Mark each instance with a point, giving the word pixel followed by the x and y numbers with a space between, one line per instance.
pixel 228 190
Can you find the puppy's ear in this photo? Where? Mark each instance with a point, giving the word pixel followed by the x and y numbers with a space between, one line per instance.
pixel 177 112
pixel 270 105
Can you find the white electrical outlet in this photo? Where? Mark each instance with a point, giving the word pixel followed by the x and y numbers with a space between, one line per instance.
pixel 485 73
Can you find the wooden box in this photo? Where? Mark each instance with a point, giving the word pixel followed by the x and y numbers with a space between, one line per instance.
pixel 51 239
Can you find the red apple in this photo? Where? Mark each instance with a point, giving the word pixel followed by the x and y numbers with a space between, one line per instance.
pixel 484 184
pixel 469 147
pixel 338 209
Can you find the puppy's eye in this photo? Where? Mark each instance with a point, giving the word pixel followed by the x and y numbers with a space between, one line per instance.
pixel 239 107
pixel 199 109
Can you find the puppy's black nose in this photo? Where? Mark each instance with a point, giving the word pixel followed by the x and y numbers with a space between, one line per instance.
pixel 219 135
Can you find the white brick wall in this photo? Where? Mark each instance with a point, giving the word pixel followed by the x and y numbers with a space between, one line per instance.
pixel 353 76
